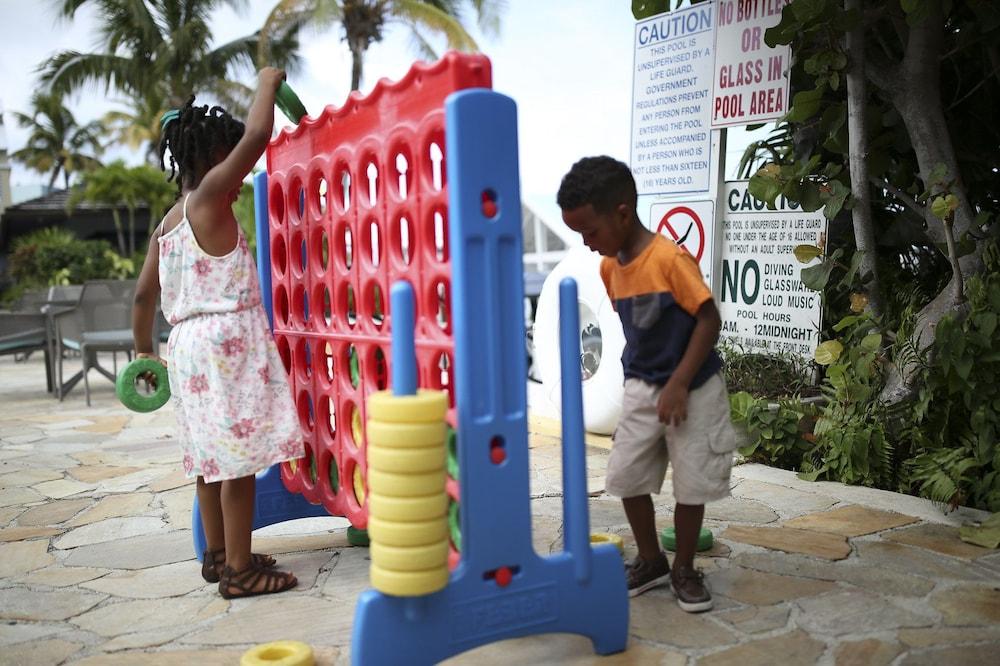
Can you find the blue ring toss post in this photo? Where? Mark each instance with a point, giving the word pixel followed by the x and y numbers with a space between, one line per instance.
pixel 501 588
pixel 273 502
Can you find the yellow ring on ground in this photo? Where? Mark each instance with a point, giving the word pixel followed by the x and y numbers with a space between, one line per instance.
pixel 614 539
pixel 408 509
pixel 415 558
pixel 406 435
pixel 407 461
pixel 408 583
pixel 279 653
pixel 407 534
pixel 426 406
pixel 405 485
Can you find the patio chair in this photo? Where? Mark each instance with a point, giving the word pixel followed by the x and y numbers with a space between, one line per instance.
pixel 22 333
pixel 101 322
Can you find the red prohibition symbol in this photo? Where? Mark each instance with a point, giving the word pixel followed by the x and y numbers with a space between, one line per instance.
pixel 681 237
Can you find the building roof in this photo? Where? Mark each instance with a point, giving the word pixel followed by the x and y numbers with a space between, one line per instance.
pixel 55 203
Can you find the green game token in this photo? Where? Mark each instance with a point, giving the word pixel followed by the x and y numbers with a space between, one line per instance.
pixel 289 103
pixel 130 396
pixel 357 537
pixel 669 540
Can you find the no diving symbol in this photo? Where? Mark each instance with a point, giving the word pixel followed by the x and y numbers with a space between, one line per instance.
pixel 686 229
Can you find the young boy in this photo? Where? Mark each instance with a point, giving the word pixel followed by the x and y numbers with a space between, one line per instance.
pixel 675 407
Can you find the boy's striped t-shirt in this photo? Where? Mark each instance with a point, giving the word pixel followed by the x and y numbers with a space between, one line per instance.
pixel 657 296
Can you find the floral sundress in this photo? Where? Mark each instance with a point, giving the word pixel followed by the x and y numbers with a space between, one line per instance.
pixel 234 408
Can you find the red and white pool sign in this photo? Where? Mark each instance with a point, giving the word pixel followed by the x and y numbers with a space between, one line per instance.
pixel 691 225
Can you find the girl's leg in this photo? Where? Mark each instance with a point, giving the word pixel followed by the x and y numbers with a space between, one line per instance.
pixel 237 509
pixel 210 507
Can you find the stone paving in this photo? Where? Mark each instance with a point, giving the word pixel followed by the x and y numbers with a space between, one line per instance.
pixel 96 561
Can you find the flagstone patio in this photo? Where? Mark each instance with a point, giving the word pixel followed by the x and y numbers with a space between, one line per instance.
pixel 97 566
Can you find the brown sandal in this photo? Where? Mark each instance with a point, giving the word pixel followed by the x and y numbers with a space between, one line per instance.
pixel 245 582
pixel 213 561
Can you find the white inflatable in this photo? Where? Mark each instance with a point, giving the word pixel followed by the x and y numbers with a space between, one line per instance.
pixel 601 337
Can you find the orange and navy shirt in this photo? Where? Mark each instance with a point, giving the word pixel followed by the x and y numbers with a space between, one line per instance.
pixel 657 296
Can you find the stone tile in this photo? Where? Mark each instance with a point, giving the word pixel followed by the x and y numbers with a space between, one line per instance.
pixel 871 578
pixel 24 533
pixel 869 652
pixel 856 611
pixel 307 567
pixel 171 481
pixel 168 580
pixel 111 529
pixel 57 576
pixel 63 488
pixel 733 510
pixel 850 521
pixel 21 632
pixel 17 604
pixel 965 605
pixel 279 617
pixel 348 575
pixel 966 654
pixel 789 649
pixel 53 512
pixel 135 553
pixel 918 562
pixel 567 649
pixel 292 544
pixel 152 614
pixel 95 473
pixel 20 557
pixel 178 504
pixel 166 658
pixel 942 636
pixel 939 538
pixel 755 619
pixel 115 506
pixel 9 513
pixel 28 477
pixel 106 425
pixel 54 651
pixel 99 457
pixel 656 617
pixel 129 483
pixel 787 502
pixel 827 546
pixel 144 639
pixel 71 424
pixel 756 588
pixel 18 496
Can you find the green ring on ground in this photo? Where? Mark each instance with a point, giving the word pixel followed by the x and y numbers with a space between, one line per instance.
pixel 357 537
pixel 454 525
pixel 669 540
pixel 130 397
pixel 289 103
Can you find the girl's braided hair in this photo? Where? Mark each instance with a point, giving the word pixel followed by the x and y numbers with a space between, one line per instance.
pixel 195 137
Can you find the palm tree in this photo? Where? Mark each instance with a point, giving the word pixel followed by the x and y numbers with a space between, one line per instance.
pixel 158 52
pixel 362 23
pixel 56 144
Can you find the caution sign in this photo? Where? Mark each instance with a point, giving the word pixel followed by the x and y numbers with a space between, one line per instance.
pixel 690 224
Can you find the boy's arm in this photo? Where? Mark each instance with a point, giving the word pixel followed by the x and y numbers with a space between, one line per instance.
pixel 228 174
pixel 672 405
pixel 147 291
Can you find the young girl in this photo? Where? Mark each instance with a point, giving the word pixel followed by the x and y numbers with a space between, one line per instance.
pixel 235 413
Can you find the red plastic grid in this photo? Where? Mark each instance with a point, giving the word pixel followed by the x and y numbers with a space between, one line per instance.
pixel 358 200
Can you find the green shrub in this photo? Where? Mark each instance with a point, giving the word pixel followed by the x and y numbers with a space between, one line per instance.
pixel 55 256
pixel 771 375
pixel 777 433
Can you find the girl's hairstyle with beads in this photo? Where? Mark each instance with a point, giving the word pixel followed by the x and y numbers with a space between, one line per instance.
pixel 195 138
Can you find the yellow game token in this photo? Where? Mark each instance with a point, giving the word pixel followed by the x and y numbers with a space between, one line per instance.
pixel 425 407
pixel 279 653
pixel 408 583
pixel 406 509
pixel 406 534
pixel 414 558
pixel 407 461
pixel 406 435
pixel 405 485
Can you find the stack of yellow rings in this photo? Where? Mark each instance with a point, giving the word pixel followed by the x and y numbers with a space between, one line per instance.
pixel 407 503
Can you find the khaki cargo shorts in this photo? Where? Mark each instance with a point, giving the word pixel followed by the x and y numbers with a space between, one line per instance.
pixel 700 449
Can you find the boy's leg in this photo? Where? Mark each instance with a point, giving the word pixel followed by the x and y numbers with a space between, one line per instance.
pixel 642 520
pixel 687 525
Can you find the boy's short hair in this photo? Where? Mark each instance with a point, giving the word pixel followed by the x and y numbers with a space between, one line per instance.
pixel 601 181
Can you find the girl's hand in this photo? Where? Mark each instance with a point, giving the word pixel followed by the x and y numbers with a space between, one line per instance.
pixel 149 377
pixel 269 78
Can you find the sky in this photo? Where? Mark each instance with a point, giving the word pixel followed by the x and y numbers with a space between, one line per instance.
pixel 567 64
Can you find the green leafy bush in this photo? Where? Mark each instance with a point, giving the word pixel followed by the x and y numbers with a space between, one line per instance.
pixel 55 256
pixel 776 432
pixel 771 375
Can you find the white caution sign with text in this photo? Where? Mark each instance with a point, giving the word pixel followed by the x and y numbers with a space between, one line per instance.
pixel 763 303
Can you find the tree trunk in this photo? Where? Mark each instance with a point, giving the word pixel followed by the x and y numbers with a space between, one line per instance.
pixel 861 213
pixel 131 231
pixel 116 216
pixel 917 97
pixel 357 60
